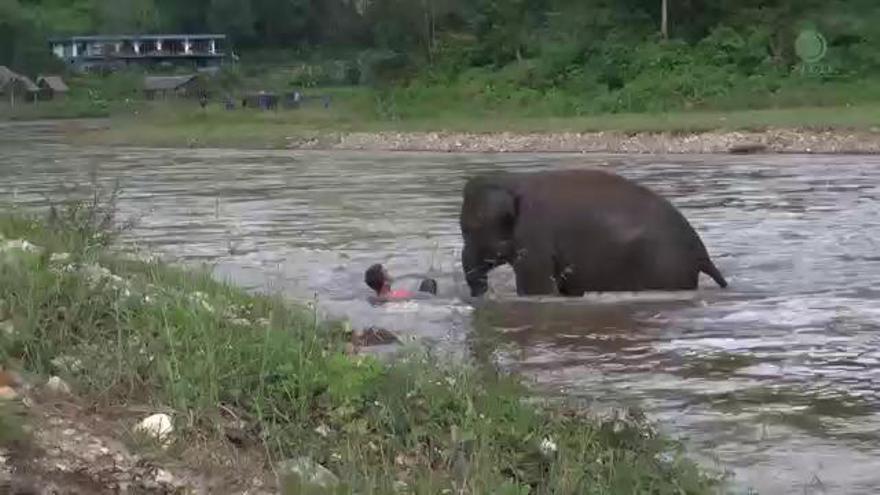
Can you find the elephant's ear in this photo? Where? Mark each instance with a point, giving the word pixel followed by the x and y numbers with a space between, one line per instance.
pixel 503 206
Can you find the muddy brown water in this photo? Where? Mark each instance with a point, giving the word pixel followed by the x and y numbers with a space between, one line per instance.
pixel 776 379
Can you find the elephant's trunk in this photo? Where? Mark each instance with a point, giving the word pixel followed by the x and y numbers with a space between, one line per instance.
pixel 476 271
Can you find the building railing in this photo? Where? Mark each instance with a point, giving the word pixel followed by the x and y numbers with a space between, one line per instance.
pixel 139 46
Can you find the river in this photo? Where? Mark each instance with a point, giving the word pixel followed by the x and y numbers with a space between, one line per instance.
pixel 776 378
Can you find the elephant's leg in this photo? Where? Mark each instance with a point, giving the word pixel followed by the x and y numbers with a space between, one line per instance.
pixel 534 272
pixel 476 270
pixel 601 264
pixel 564 275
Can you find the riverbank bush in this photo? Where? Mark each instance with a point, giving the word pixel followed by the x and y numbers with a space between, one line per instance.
pixel 127 330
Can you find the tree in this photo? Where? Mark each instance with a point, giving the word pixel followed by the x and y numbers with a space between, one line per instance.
pixel 125 16
pixel 282 22
pixel 232 17
pixel 664 23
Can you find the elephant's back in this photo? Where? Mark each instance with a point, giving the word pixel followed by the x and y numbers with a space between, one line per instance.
pixel 592 182
pixel 592 201
pixel 590 188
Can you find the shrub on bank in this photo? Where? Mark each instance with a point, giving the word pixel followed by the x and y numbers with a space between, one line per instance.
pixel 125 330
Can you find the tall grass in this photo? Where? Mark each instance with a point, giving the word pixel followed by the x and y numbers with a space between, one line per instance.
pixel 133 331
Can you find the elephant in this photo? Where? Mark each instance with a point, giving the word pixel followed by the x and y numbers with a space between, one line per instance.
pixel 569 232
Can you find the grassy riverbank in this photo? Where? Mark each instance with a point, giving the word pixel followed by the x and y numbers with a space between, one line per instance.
pixel 368 119
pixel 348 126
pixel 130 332
pixel 820 119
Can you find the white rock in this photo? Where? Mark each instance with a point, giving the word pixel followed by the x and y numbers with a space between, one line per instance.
pixel 57 386
pixel 304 475
pixel 158 426
pixel 548 447
pixel 59 257
pixel 163 477
pixel 7 327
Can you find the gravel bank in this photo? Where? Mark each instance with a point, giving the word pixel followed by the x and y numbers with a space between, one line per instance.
pixel 770 141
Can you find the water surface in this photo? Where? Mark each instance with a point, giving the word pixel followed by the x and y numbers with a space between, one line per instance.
pixel 776 378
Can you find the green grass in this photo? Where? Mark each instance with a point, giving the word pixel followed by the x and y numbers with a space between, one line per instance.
pixel 51 110
pixel 124 330
pixel 485 104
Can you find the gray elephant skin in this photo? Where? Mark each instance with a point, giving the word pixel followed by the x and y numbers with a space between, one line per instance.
pixel 576 231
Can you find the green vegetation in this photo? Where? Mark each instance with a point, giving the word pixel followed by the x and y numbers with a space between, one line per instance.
pixel 457 59
pixel 90 97
pixel 125 330
pixel 187 125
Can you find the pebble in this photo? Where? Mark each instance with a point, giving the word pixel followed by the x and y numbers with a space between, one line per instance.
pixel 304 475
pixel 157 425
pixel 59 257
pixel 58 386
pixel 7 327
pixel 164 477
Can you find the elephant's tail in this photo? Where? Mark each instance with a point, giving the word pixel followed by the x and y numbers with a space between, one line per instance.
pixel 711 270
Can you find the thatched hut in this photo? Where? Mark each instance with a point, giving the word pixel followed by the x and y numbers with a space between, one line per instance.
pixel 188 86
pixel 16 87
pixel 52 87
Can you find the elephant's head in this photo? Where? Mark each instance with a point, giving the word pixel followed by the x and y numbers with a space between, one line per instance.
pixel 488 218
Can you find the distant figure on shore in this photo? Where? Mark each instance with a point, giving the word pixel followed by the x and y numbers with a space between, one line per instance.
pixel 377 278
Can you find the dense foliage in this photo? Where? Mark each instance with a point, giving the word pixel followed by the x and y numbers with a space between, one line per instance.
pixel 572 56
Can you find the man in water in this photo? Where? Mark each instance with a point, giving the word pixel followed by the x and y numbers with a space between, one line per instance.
pixel 378 279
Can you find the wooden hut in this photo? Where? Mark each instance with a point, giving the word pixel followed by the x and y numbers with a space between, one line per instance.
pixel 16 87
pixel 6 75
pixel 52 87
pixel 188 86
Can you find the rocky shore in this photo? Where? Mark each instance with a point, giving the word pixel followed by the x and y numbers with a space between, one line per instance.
pixel 72 449
pixel 769 141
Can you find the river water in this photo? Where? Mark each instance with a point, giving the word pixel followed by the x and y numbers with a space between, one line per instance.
pixel 776 378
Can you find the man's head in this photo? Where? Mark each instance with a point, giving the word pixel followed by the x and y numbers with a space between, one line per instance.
pixel 376 277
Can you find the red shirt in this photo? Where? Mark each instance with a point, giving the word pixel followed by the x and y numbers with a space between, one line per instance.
pixel 400 294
